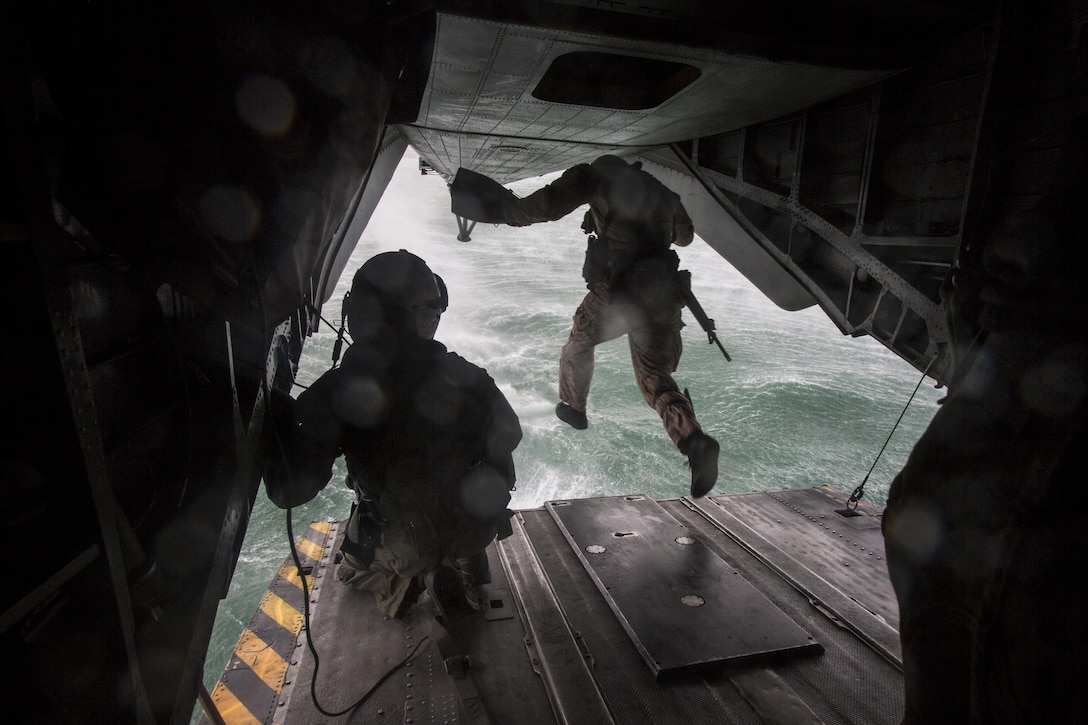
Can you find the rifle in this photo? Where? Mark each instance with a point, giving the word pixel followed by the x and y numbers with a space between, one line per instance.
pixel 684 286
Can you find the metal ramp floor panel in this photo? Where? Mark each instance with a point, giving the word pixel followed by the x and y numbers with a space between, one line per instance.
pixel 550 646
pixel 683 607
pixel 836 561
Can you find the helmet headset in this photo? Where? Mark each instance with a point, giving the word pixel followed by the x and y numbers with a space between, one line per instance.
pixel 395 289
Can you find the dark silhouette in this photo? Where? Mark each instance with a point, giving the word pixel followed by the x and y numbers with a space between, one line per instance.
pixel 984 524
pixel 427 438
pixel 631 274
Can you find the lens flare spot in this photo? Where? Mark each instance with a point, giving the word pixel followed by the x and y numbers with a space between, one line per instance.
pixel 1055 387
pixel 230 213
pixel 265 104
pixel 484 493
pixel 919 532
pixel 361 403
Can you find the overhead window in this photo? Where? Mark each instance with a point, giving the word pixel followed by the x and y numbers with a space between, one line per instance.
pixel 608 80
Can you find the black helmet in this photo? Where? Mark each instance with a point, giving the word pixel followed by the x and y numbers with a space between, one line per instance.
pixel 395 288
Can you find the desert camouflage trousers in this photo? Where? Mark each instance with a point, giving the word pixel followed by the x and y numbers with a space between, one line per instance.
pixel 653 336
pixel 409 548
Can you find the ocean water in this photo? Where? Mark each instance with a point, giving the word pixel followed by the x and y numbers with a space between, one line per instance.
pixel 799 405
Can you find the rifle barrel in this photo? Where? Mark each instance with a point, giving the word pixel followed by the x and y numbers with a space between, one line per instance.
pixel 700 314
pixel 715 340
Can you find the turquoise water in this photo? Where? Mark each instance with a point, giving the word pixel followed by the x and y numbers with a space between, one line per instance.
pixel 799 405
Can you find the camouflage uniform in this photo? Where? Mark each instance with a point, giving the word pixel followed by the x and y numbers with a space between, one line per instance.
pixel 427 438
pixel 630 272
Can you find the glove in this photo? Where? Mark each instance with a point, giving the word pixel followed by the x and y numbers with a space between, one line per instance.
pixel 294 466
pixel 476 197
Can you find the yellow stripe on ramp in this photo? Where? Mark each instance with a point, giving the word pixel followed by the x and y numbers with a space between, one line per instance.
pixel 230 708
pixel 281 612
pixel 262 659
pixel 310 549
pixel 289 572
